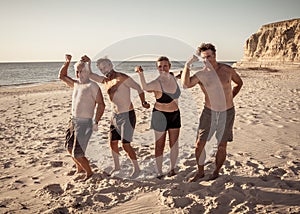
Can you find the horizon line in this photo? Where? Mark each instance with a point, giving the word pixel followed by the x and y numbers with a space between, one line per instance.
pixel 2 62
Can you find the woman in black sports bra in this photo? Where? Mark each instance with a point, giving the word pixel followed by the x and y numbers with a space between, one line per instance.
pixel 166 115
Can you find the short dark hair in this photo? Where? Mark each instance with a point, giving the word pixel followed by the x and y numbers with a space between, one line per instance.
pixel 163 58
pixel 205 47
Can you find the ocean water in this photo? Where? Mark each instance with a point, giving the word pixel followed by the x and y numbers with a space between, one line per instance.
pixel 22 73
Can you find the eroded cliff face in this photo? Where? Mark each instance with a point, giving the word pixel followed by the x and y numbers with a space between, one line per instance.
pixel 274 45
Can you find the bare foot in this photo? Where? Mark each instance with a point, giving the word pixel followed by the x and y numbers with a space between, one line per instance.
pixel 79 171
pixel 114 170
pixel 197 176
pixel 106 174
pixel 79 177
pixel 88 176
pixel 135 174
pixel 214 176
pixel 171 173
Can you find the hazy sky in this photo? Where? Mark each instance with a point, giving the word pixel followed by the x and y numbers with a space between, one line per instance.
pixel 41 30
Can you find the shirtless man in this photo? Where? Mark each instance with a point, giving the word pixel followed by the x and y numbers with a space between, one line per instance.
pixel 87 97
pixel 123 119
pixel 218 113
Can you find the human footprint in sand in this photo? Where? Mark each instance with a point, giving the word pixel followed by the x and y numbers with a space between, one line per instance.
pixel 165 114
pixel 118 86
pixel 87 97
pixel 218 113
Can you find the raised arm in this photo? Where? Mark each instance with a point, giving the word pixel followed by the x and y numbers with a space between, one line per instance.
pixel 186 79
pixel 149 87
pixel 92 76
pixel 238 82
pixel 63 72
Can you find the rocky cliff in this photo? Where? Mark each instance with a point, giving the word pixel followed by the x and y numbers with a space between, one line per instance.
pixel 274 45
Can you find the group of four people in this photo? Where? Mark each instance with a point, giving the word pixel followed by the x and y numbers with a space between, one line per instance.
pixel 217 116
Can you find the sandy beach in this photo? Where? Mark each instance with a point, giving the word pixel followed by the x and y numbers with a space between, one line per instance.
pixel 261 173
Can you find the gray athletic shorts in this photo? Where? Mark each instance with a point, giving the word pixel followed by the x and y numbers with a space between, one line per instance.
pixel 83 131
pixel 212 122
pixel 122 126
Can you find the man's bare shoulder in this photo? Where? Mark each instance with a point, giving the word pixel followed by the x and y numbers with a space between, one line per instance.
pixel 225 67
pixel 121 75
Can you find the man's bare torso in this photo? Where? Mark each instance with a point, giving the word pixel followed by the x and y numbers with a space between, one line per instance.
pixel 119 93
pixel 84 99
pixel 216 86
